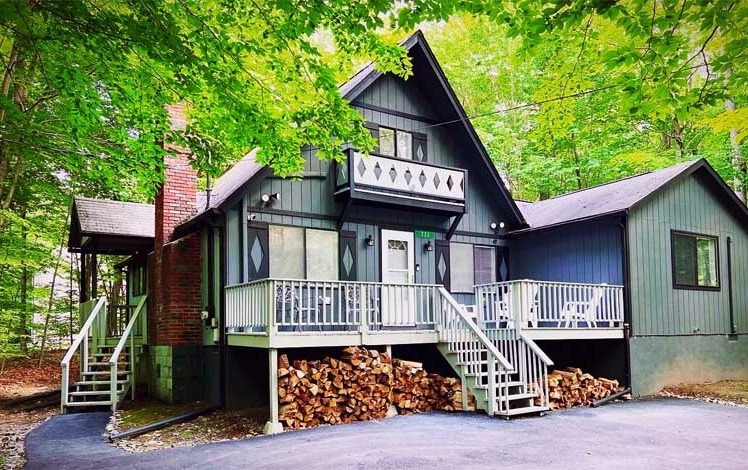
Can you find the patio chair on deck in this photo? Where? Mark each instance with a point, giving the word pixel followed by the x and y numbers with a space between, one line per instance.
pixel 576 311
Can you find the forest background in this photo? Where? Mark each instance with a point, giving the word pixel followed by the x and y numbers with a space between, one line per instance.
pixel 565 94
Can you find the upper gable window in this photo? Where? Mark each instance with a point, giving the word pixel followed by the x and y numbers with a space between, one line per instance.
pixel 395 143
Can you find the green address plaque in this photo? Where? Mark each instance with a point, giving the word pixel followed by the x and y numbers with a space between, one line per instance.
pixel 425 234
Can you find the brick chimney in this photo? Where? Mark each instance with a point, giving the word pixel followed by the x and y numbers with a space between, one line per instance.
pixel 174 325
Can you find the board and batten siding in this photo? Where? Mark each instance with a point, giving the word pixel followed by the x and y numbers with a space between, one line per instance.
pixel 659 309
pixel 587 252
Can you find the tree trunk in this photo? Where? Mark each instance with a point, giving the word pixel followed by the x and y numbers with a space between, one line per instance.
pixel 23 336
pixel 738 163
pixel 50 303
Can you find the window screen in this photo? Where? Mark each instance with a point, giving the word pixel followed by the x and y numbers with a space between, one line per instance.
pixel 286 252
pixel 321 254
pixel 485 265
pixel 461 267
pixel 694 261
pixel 404 144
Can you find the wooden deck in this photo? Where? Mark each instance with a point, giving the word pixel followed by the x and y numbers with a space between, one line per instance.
pixel 287 313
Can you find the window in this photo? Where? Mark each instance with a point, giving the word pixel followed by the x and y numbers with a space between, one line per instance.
pixel 286 252
pixel 395 143
pixel 461 267
pixel 695 261
pixel 298 253
pixel 470 265
pixel 485 265
pixel 321 254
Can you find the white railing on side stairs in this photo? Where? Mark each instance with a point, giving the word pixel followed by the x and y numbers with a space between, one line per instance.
pixel 114 359
pixel 530 362
pixel 93 327
pixel 465 339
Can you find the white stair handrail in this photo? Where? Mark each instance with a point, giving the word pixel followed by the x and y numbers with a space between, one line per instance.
pixel 480 335
pixel 80 338
pixel 114 359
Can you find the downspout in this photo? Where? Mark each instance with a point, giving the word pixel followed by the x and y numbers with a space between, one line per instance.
pixel 624 225
pixel 222 343
pixel 733 329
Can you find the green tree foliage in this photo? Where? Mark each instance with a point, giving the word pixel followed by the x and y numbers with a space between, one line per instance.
pixel 572 93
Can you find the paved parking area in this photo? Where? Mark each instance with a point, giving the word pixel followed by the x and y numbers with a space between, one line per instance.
pixel 647 434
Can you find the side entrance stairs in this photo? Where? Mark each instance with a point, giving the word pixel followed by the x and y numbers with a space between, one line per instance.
pixel 505 371
pixel 107 363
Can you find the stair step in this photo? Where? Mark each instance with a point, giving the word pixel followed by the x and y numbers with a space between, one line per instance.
pixel 105 372
pixel 512 383
pixel 100 382
pixel 93 393
pixel 107 363
pixel 524 410
pixel 90 403
pixel 521 396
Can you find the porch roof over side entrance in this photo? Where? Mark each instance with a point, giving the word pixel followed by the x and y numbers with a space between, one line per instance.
pixel 111 227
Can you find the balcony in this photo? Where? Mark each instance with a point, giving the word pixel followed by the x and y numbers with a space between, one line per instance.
pixel 401 182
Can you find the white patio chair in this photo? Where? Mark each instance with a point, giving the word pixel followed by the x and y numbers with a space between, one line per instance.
pixel 576 311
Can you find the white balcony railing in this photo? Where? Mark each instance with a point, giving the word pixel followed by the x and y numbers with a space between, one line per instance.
pixel 527 304
pixel 289 305
pixel 375 173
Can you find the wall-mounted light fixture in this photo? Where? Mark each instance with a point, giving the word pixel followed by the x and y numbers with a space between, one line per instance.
pixel 369 240
pixel 269 199
pixel 494 226
pixel 428 247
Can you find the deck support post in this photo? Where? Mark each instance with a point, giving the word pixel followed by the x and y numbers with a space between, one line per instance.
pixel 273 426
pixel 388 350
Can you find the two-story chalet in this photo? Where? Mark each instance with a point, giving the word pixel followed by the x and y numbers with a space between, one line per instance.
pixel 417 248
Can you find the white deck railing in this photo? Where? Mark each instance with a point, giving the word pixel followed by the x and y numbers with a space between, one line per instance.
pixel 527 304
pixel 288 305
pixel 128 336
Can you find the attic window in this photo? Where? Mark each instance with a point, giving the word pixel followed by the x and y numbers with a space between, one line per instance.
pixel 695 261
pixel 395 143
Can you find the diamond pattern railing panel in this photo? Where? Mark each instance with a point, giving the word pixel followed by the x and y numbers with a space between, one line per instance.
pixel 408 176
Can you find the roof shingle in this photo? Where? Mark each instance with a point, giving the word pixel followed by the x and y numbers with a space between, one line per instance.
pixel 106 217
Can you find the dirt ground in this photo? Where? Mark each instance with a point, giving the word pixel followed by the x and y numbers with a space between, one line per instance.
pixel 733 392
pixel 213 427
pixel 22 378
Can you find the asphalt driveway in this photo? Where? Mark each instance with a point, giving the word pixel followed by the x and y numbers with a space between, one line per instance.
pixel 649 434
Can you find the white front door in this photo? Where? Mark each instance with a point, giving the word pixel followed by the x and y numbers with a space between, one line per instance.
pixel 398 270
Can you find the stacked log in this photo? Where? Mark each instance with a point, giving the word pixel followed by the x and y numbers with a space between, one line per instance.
pixel 415 390
pixel 572 387
pixel 361 385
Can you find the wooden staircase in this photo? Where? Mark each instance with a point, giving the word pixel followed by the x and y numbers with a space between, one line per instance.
pixel 506 373
pixel 107 370
pixel 95 387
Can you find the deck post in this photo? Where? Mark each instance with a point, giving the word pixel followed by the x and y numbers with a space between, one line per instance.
pixel 273 426
pixel 388 350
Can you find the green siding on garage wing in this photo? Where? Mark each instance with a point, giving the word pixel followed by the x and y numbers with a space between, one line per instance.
pixel 656 307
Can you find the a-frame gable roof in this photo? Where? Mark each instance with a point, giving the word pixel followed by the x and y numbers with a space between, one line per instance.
pixel 417 43
pixel 251 172
pixel 624 195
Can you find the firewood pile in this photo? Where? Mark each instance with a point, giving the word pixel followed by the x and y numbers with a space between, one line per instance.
pixel 361 385
pixel 572 387
pixel 415 390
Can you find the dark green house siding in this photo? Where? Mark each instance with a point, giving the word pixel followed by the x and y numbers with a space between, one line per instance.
pixel 682 335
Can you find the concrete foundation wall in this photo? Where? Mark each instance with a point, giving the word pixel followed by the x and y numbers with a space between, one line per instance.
pixel 176 373
pixel 660 361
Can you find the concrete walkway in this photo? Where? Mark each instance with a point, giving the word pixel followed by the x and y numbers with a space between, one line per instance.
pixel 651 434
